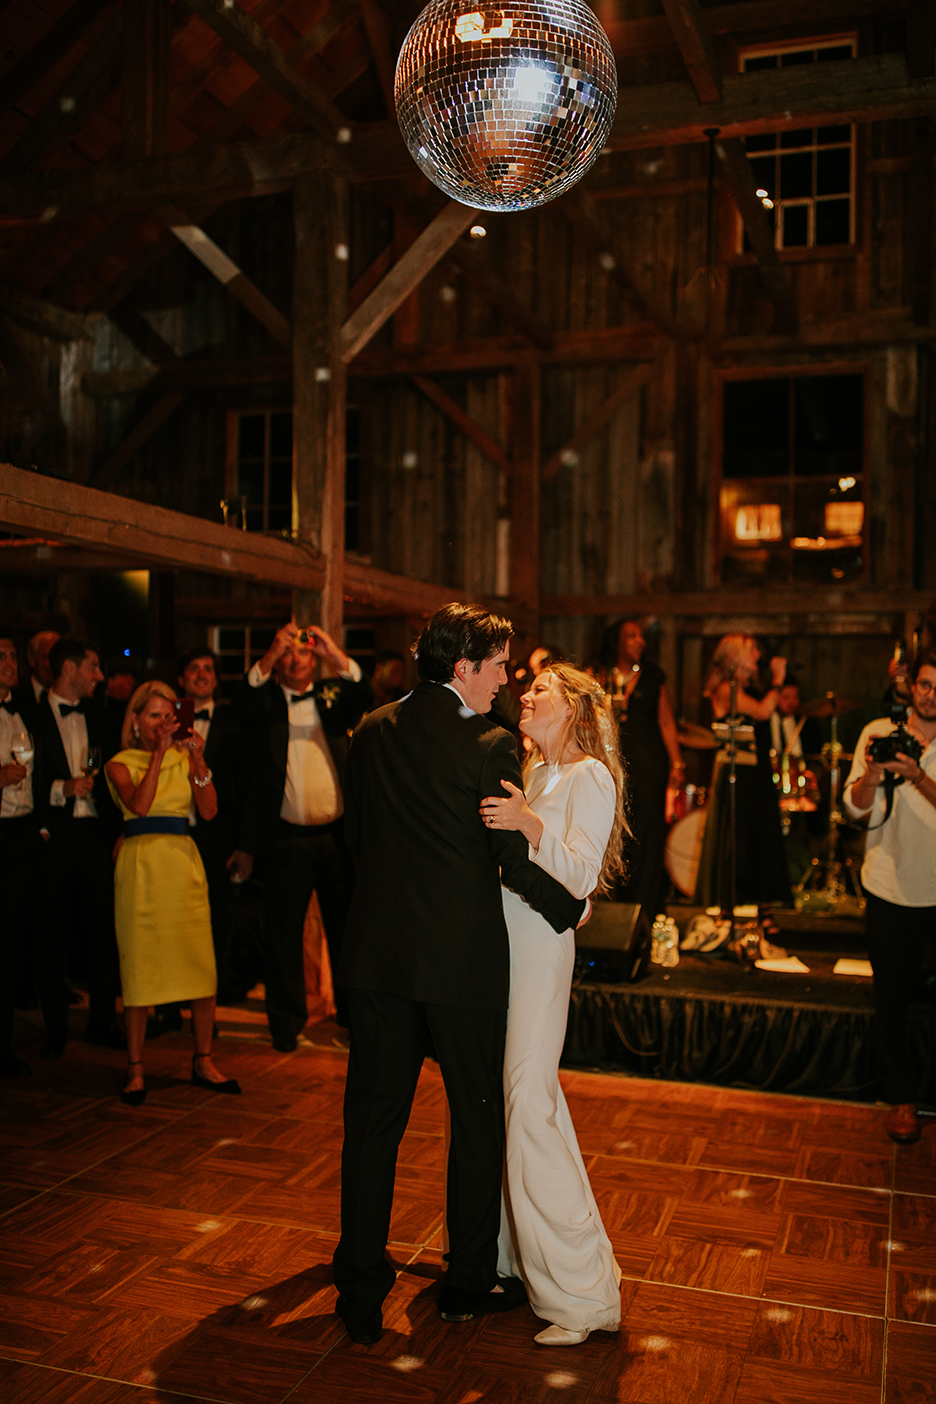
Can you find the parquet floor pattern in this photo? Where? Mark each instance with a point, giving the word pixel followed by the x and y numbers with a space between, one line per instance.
pixel 775 1250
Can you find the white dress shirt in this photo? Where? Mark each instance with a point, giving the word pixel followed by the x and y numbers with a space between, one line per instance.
pixel 900 855
pixel 781 729
pixel 312 794
pixel 17 799
pixel 202 726
pixel 73 730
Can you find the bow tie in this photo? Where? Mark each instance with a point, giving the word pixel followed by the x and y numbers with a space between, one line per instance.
pixel 203 715
pixel 66 711
pixel 303 696
pixel 7 705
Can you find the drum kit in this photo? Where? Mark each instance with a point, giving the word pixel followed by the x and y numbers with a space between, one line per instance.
pixel 824 886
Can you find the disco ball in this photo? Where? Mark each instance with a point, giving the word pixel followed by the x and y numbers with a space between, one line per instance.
pixel 504 109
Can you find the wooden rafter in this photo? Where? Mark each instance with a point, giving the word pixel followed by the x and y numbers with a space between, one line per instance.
pixel 141 433
pixel 43 317
pixel 653 33
pixel 145 88
pixel 695 44
pixel 407 273
pixel 49 50
pixel 378 37
pixel 593 423
pixel 264 55
pixel 469 427
pixel 212 257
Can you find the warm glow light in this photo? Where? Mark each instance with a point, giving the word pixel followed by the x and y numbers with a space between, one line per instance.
pixel 767 204
pixel 846 483
pixel 762 194
pixel 843 518
pixel 477 231
pixel 471 27
pixel 759 521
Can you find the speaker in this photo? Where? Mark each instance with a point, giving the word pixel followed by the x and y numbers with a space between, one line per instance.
pixel 614 946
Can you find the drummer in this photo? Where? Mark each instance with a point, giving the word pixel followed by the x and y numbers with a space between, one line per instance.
pixel 785 728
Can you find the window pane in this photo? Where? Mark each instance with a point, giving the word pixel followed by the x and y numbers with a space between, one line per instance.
pixel 828 426
pixel 255 519
pixel 817 555
pixel 250 436
pixel 833 172
pixel 764 171
pixel 833 221
pixel 796 174
pixel 352 430
pixel 281 482
pixel 260 640
pixel 351 526
pixel 795 226
pixel 753 65
pixel 281 435
pixel 279 519
pixel 839 51
pixel 803 137
pixel 801 56
pixel 231 641
pixel 753 531
pixel 250 481
pixel 825 136
pixel 766 142
pixel 756 428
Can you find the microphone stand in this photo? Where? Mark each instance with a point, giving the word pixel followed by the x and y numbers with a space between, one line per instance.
pixel 734 721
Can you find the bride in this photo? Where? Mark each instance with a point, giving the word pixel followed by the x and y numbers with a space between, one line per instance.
pixel 573 817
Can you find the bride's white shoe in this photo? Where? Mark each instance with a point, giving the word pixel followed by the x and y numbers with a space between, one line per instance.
pixel 559 1336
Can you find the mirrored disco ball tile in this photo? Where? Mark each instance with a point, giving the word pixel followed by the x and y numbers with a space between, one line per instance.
pixel 505 108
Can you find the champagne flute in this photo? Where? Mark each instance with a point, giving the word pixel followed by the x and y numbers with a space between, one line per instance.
pixel 92 762
pixel 21 748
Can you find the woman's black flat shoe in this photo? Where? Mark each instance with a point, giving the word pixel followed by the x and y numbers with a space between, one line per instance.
pixel 136 1098
pixel 231 1085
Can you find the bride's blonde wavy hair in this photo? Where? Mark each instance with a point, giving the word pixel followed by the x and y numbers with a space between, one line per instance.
pixel 592 727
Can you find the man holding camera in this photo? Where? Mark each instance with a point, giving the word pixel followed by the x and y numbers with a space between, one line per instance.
pixel 899 878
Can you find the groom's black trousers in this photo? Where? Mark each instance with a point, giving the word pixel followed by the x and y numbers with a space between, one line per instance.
pixel 390 1037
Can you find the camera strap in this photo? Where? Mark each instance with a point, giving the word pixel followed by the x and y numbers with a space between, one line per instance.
pixel 890 784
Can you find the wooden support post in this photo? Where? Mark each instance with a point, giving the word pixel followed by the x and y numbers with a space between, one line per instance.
pixel 524 490
pixel 145 98
pixel 320 289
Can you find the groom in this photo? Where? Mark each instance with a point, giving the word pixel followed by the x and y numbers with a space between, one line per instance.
pixel 426 960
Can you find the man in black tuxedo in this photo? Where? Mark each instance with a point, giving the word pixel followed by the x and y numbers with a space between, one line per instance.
pixel 293 807
pixel 427 963
pixel 75 808
pixel 21 853
pixel 217 839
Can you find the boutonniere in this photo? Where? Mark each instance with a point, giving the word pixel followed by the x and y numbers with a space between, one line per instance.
pixel 329 693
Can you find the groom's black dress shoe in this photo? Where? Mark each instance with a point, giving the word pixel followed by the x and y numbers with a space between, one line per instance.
pixel 461 1304
pixel 363 1330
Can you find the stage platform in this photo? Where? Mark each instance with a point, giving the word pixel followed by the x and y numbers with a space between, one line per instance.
pixel 711 1020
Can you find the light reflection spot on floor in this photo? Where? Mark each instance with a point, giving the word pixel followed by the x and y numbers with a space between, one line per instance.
pixel 207 1225
pixel 253 1303
pixel 561 1379
pixel 405 1363
pixel 740 1194
pixel 655 1343
pixel 778 1314
pixel 227 1141
pixel 145 1377
pixel 623 1145
pixel 895 1247
pixel 924 1294
pixel 750 1252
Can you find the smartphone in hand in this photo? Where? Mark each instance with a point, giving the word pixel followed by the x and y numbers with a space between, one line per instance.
pixel 185 715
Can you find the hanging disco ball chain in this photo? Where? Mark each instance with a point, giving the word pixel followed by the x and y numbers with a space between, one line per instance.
pixel 505 109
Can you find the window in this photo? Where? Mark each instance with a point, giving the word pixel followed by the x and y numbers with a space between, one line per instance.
pixel 805 177
pixel 238 646
pixel 259 472
pixel 792 499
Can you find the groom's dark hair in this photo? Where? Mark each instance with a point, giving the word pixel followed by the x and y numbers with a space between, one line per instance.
pixel 458 631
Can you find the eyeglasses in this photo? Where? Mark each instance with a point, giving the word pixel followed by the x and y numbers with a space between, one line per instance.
pixel 922 686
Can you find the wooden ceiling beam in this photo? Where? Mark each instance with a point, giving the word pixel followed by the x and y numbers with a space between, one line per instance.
pixel 144 112
pixel 469 427
pixel 695 44
pixel 406 274
pixel 268 60
pixel 704 605
pixel 378 37
pixel 212 257
pixel 50 50
pixel 653 33
pixel 43 317
pixel 84 516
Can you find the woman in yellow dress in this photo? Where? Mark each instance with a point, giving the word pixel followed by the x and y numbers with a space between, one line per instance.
pixel 161 894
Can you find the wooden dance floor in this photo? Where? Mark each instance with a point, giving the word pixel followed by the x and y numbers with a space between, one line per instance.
pixel 775 1250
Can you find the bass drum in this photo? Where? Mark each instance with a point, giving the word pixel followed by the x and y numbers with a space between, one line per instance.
pixel 684 850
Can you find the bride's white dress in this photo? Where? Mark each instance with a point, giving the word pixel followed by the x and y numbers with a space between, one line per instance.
pixel 551 1232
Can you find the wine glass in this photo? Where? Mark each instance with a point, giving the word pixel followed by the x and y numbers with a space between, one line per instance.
pixel 21 748
pixel 92 761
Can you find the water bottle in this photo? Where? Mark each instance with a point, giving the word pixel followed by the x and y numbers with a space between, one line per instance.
pixel 670 943
pixel 659 938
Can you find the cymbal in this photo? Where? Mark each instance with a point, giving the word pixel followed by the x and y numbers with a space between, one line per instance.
pixel 831 706
pixel 696 738
pixel 824 758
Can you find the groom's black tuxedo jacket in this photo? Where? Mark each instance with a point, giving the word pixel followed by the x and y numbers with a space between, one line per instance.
pixel 51 763
pixel 427 921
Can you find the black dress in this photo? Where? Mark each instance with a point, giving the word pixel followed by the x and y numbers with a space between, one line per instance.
pixel 762 873
pixel 647 768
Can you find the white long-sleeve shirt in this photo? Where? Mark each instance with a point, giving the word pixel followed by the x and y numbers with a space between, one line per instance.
pixel 900 856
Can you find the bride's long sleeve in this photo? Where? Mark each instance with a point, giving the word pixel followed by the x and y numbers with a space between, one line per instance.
pixel 575 859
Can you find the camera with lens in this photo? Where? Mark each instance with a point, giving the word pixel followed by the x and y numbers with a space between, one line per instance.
pixel 885 748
